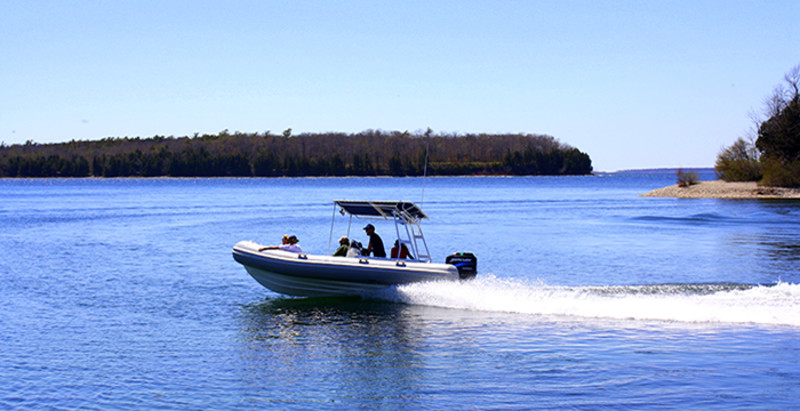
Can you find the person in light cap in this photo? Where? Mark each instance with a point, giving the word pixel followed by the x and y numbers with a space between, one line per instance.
pixel 344 245
pixel 375 242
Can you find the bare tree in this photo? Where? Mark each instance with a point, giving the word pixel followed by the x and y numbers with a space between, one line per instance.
pixel 792 78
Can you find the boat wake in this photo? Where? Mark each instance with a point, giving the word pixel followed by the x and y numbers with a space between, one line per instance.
pixel 777 304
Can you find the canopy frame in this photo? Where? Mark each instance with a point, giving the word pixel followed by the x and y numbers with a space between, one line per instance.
pixel 404 214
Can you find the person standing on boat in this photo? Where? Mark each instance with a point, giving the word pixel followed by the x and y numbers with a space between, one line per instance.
pixel 375 243
pixel 344 243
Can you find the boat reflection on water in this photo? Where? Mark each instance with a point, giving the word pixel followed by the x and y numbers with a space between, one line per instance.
pixel 352 347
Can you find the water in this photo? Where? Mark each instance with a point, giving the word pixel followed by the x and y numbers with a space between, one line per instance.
pixel 122 294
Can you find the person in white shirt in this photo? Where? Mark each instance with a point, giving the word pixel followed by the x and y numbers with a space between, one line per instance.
pixel 288 243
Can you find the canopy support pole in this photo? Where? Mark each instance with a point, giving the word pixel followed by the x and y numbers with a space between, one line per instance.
pixel 333 220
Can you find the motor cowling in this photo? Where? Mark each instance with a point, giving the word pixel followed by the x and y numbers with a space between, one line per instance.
pixel 466 263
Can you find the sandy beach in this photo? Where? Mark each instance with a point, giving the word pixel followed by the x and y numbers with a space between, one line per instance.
pixel 723 189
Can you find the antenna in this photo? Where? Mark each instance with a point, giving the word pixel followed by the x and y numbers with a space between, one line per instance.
pixel 424 175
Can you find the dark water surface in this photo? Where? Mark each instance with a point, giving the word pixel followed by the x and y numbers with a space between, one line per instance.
pixel 122 294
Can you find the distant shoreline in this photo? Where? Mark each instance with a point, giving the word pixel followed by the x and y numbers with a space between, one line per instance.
pixel 724 189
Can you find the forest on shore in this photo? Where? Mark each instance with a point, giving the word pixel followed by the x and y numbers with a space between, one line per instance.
pixel 368 153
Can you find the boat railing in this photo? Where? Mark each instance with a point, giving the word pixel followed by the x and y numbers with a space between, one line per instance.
pixel 414 240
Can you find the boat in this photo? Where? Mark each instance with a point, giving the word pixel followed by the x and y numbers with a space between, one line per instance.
pixel 308 275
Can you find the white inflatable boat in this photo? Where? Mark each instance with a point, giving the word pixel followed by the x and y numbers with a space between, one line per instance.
pixel 309 275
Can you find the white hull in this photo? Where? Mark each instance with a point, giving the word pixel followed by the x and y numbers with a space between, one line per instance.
pixel 316 276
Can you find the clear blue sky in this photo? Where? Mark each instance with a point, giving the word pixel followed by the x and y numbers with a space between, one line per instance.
pixel 635 84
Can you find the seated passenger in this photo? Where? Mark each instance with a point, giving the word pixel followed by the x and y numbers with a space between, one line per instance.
pixel 355 249
pixel 343 247
pixel 289 243
pixel 404 253
pixel 284 241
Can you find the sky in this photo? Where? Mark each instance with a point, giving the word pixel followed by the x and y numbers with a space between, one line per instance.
pixel 634 84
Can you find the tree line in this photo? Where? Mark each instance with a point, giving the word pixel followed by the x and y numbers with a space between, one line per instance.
pixel 368 153
pixel 771 155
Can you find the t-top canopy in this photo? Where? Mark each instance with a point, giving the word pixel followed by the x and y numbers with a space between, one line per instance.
pixel 383 209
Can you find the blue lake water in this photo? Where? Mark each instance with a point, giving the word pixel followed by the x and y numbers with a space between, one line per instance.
pixel 122 294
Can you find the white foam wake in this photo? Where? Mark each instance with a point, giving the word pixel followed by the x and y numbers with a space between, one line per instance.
pixel 698 303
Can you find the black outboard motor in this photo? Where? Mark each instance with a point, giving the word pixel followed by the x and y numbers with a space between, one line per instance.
pixel 466 263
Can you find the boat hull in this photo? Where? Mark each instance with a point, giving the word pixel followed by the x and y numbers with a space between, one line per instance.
pixel 318 276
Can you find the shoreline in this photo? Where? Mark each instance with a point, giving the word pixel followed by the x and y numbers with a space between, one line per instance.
pixel 293 177
pixel 725 190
